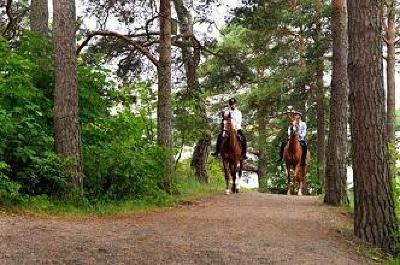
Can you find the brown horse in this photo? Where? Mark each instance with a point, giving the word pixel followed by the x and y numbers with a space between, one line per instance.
pixel 292 157
pixel 231 153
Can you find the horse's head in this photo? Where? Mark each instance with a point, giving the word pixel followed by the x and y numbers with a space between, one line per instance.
pixel 294 132
pixel 229 126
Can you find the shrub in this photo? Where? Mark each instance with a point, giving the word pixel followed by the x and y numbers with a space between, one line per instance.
pixel 118 161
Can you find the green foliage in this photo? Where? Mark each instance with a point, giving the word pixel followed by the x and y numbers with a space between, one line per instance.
pixel 119 162
pixel 188 186
pixel 9 191
pixel 96 91
pixel 271 49
pixel 395 174
pixel 397 123
pixel 26 133
pixel 188 189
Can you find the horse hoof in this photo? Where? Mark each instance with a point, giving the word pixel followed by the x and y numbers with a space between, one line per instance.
pixel 300 194
pixel 237 191
pixel 227 192
pixel 288 192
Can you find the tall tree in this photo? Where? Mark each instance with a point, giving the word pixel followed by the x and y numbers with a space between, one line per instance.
pixel 188 53
pixel 374 210
pixel 335 175
pixel 320 92
pixel 164 109
pixel 39 15
pixel 191 59
pixel 390 40
pixel 67 135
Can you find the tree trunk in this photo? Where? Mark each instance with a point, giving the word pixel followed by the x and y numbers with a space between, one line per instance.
pixel 199 160
pixel 391 72
pixel 191 58
pixel 164 109
pixel 39 16
pixel 303 68
pixel 188 54
pixel 320 100
pixel 262 156
pixel 335 176
pixel 374 210
pixel 67 135
pixel 320 94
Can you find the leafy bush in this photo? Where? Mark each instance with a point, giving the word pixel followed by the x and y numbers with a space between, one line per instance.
pixel 27 142
pixel 121 161
pixel 118 161
pixel 9 191
pixel 397 123
pixel 395 171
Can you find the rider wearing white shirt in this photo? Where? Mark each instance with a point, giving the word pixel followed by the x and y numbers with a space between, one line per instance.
pixel 236 116
pixel 301 128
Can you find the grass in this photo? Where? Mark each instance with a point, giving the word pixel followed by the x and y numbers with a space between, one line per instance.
pixel 188 188
pixel 393 262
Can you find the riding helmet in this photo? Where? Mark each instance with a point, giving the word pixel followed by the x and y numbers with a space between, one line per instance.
pixel 298 112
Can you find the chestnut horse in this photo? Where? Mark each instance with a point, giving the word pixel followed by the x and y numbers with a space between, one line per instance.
pixel 292 157
pixel 231 153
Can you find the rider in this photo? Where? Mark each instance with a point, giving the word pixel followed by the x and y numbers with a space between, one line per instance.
pixel 301 128
pixel 237 118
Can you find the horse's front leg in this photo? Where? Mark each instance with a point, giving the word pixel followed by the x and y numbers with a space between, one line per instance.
pixel 300 188
pixel 298 179
pixel 232 167
pixel 226 173
pixel 288 179
pixel 238 175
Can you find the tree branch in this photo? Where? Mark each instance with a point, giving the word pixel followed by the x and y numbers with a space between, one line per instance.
pixel 385 40
pixel 131 43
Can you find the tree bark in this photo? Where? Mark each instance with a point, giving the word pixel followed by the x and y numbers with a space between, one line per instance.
pixel 335 175
pixel 191 58
pixel 39 16
pixel 67 135
pixel 188 50
pixel 262 156
pixel 320 101
pixel 199 160
pixel 320 95
pixel 374 210
pixel 390 70
pixel 164 109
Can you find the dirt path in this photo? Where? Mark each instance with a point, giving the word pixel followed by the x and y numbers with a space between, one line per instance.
pixel 236 229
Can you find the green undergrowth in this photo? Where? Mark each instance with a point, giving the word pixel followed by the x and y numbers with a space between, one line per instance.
pixel 187 188
pixel 393 262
